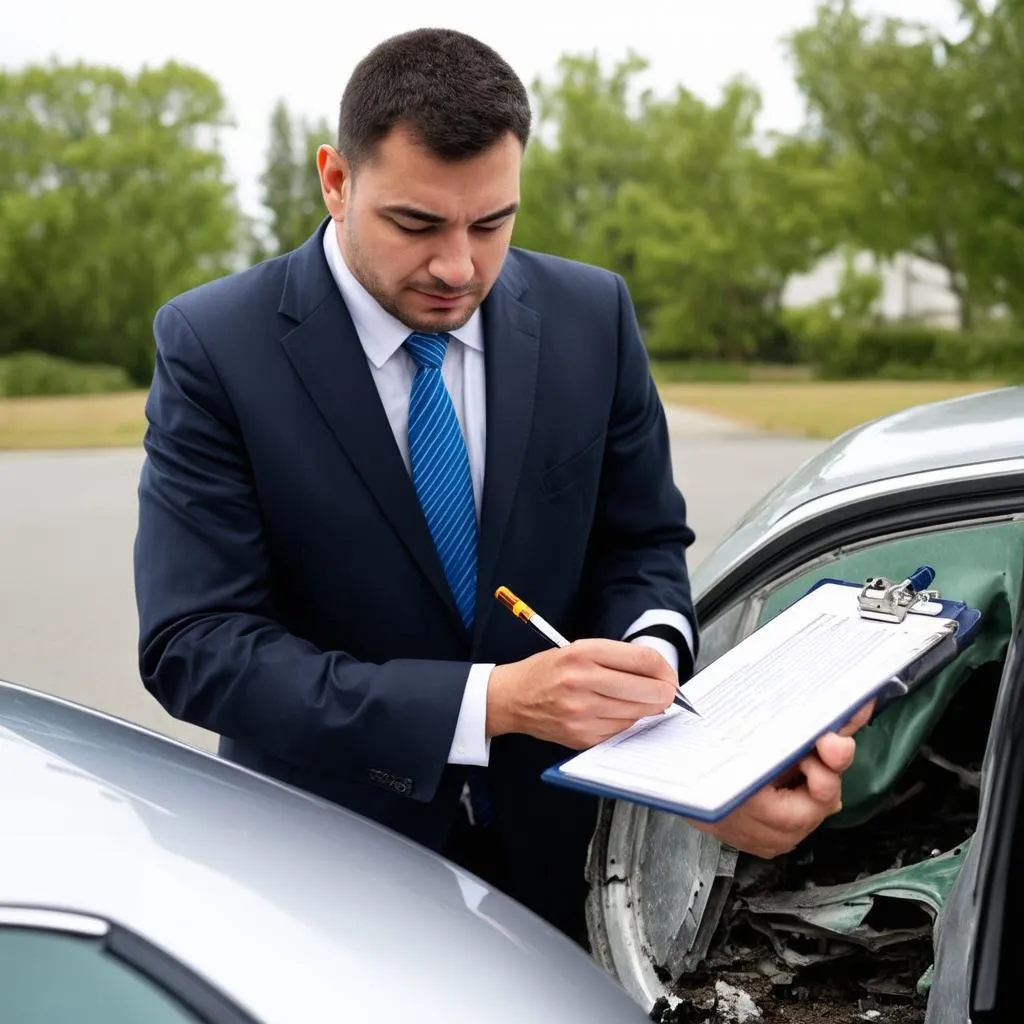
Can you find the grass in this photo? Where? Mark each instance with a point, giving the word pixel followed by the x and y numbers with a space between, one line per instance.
pixel 680 372
pixel 817 409
pixel 73 421
pixel 804 408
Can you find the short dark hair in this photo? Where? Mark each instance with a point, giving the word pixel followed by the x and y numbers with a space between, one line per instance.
pixel 457 96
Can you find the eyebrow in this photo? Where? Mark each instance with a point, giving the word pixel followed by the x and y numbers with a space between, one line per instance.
pixel 413 213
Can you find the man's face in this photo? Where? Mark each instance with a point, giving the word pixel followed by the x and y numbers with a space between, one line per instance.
pixel 424 236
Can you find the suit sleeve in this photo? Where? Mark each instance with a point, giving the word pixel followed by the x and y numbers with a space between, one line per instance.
pixel 636 570
pixel 210 648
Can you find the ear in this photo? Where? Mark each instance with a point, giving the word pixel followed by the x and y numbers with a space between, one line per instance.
pixel 335 180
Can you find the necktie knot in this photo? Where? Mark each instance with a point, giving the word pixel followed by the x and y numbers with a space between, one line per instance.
pixel 427 349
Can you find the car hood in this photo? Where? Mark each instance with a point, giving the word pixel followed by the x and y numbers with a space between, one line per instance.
pixel 294 908
pixel 974 430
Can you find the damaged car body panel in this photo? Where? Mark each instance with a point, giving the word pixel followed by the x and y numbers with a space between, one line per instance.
pixel 878 914
pixel 853 916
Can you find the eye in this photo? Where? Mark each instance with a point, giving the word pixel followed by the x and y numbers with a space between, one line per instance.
pixel 488 228
pixel 412 231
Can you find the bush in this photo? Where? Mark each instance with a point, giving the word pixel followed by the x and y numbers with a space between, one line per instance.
pixel 698 371
pixel 35 373
pixel 914 352
pixel 706 372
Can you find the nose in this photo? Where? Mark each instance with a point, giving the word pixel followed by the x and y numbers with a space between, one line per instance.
pixel 453 262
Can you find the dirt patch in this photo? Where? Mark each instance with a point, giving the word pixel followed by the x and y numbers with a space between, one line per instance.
pixel 700 1006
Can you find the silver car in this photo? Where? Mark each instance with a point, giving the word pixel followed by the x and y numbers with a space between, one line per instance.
pixel 141 880
pixel 146 882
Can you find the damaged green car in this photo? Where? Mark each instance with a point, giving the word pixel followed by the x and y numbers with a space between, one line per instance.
pixel 847 927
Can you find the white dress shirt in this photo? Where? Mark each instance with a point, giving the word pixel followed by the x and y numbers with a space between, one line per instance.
pixel 393 369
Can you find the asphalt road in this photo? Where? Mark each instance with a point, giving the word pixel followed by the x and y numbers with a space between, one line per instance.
pixel 67 522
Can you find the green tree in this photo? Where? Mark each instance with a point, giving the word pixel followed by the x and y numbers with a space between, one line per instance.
pixel 992 56
pixel 719 223
pixel 113 198
pixel 705 222
pixel 291 187
pixel 933 129
pixel 588 143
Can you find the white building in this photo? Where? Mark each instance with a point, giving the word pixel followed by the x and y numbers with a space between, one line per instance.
pixel 912 289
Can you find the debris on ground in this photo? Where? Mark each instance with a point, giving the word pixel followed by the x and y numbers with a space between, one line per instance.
pixel 733 1005
pixel 700 1007
pixel 728 1005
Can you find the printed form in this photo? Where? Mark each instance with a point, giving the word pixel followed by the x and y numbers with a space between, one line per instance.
pixel 761 702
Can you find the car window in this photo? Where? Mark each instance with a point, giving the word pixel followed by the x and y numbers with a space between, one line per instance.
pixel 49 977
pixel 977 563
pixel 722 633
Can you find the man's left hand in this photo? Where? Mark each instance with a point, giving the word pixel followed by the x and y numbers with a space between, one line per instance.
pixel 777 818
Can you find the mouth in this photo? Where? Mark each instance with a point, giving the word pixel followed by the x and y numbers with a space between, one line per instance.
pixel 444 300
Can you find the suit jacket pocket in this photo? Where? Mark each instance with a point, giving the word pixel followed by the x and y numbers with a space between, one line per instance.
pixel 566 472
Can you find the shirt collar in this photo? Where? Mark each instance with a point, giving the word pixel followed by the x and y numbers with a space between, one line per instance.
pixel 380 333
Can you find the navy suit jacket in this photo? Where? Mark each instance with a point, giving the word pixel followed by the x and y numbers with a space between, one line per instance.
pixel 289 594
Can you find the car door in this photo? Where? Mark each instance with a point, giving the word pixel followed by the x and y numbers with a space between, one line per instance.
pixel 664 896
pixel 980 939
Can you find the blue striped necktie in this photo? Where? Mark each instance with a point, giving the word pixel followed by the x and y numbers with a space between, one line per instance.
pixel 440 470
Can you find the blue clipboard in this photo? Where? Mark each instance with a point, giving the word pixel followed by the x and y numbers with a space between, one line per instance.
pixel 909 679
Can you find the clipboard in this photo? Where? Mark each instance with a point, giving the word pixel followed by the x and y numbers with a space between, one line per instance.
pixel 878 602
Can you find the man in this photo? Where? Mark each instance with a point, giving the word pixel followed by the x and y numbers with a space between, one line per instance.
pixel 351 446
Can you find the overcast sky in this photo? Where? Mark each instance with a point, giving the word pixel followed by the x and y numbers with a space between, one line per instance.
pixel 304 50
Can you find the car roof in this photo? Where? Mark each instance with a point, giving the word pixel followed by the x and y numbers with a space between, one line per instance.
pixel 294 908
pixel 981 433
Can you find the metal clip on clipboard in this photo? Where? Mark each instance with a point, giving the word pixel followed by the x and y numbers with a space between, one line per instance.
pixel 886 601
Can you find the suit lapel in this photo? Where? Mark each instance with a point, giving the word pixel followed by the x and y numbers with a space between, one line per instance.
pixel 325 351
pixel 511 355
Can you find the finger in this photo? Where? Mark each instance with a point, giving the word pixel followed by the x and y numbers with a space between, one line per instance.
pixel 749 837
pixel 792 813
pixel 824 786
pixel 632 659
pixel 837 752
pixel 654 694
pixel 606 728
pixel 770 811
pixel 789 778
pixel 627 712
pixel 601 729
pixel 746 830
pixel 859 720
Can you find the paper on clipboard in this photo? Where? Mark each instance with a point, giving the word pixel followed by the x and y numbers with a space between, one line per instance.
pixel 760 703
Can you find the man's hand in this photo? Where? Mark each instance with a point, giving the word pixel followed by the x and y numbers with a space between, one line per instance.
pixel 777 818
pixel 579 695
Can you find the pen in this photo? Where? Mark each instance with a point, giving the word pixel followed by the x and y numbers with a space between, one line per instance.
pixel 522 611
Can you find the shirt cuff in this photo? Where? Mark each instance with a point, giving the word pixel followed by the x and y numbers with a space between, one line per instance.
pixel 470 744
pixel 664 617
pixel 671 634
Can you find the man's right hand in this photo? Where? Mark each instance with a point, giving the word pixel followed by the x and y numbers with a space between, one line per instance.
pixel 579 695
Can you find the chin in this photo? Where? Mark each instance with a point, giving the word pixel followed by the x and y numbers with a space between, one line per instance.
pixel 438 321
